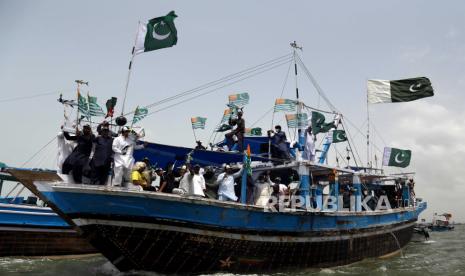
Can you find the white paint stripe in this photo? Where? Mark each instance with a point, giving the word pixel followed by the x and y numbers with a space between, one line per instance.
pixel 27 213
pixel 217 234
pixel 379 91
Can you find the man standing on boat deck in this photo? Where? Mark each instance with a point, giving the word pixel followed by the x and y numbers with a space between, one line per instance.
pixel 279 143
pixel 238 132
pixel 198 182
pixel 123 147
pixel 226 184
pixel 79 158
pixel 103 153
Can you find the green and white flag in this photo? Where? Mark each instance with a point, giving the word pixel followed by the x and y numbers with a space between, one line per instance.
pixel 396 157
pixel 226 115
pixel 198 122
pixel 297 120
pixel 339 136
pixel 139 114
pixel 318 123
pixel 94 108
pixel 82 106
pixel 256 131
pixel 156 34
pixel 239 100
pixel 223 128
pixel 285 105
pixel 406 90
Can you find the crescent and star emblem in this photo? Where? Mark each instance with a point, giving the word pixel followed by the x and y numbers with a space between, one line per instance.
pixel 338 136
pixel 415 87
pixel 158 36
pixel 398 160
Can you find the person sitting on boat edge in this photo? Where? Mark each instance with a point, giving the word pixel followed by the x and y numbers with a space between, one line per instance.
pixel 238 132
pixel 184 180
pixel 137 177
pixel 226 184
pixel 79 158
pixel 279 147
pixel 169 182
pixel 123 146
pixel 199 146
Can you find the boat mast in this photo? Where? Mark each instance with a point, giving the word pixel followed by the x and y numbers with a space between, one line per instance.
pixel 368 135
pixel 299 106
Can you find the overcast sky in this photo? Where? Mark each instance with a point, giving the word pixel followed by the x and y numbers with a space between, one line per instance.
pixel 46 45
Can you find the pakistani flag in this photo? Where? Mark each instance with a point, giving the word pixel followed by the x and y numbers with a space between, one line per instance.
pixel 198 122
pixel 156 34
pixel 223 128
pixel 318 123
pixel 139 114
pixel 385 91
pixel 239 100
pixel 82 106
pixel 297 120
pixel 396 157
pixel 256 131
pixel 94 108
pixel 285 105
pixel 339 136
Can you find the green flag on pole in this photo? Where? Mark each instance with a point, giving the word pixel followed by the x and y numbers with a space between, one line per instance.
pixel 83 106
pixel 157 33
pixel 396 157
pixel 318 123
pixel 139 114
pixel 339 136
pixel 406 90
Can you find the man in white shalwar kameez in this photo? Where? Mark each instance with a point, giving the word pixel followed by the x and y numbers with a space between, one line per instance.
pixel 263 190
pixel 123 147
pixel 309 147
pixel 226 184
pixel 65 148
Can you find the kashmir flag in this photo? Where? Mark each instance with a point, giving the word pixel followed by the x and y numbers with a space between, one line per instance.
pixel 396 157
pixel 110 104
pixel 139 114
pixel 82 106
pixel 156 34
pixel 94 108
pixel 339 136
pixel 297 120
pixel 239 100
pixel 406 90
pixel 226 115
pixel 198 122
pixel 318 123
pixel 285 105
pixel 256 131
pixel 223 128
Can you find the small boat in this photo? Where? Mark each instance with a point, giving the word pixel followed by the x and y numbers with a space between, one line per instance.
pixel 30 230
pixel 441 222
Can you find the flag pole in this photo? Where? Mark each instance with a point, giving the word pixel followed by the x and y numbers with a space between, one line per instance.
pixel 77 95
pixel 193 131
pixel 133 54
pixel 368 132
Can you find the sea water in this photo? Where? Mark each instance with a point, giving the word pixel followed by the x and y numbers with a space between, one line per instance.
pixel 443 254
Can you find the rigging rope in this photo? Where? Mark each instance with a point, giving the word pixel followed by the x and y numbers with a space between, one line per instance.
pixel 35 154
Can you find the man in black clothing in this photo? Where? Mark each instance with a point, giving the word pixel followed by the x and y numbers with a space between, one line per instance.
pixel 80 155
pixel 103 154
pixel 279 147
pixel 238 132
pixel 199 146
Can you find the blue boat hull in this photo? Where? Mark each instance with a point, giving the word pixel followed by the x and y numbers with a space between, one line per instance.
pixel 171 234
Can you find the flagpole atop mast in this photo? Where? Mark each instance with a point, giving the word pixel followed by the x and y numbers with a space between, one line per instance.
pixel 133 54
pixel 368 133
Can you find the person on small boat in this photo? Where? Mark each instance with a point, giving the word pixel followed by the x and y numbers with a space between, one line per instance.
pixel 279 147
pixel 238 132
pixel 200 146
pixel 148 173
pixel 198 183
pixel 103 156
pixel 263 190
pixel 309 148
pixel 65 148
pixel 79 158
pixel 185 180
pixel 170 180
pixel 226 184
pixel 158 178
pixel 137 176
pixel 123 147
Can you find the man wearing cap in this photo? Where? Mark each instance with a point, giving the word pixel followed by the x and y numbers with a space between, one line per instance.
pixel 123 146
pixel 238 132
pixel 198 182
pixel 226 184
pixel 103 154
